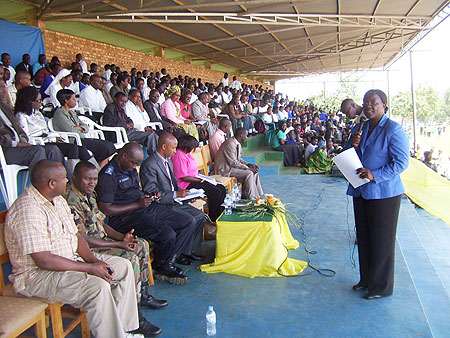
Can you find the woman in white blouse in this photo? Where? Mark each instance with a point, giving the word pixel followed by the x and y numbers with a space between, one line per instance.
pixel 33 123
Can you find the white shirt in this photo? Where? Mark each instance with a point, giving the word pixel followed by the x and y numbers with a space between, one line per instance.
pixel 225 98
pixel 75 87
pixel 193 98
pixel 236 85
pixel 12 71
pixel 162 98
pixel 268 118
pixel 224 81
pixel 283 115
pixel 83 65
pixel 310 148
pixel 107 74
pixel 263 109
pixel 92 98
pixel 140 118
pixel 34 124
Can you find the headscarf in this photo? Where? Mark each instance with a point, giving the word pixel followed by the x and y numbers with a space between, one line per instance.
pixel 173 90
pixel 321 144
pixel 62 73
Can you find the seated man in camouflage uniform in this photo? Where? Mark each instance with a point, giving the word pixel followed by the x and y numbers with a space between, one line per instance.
pixel 104 239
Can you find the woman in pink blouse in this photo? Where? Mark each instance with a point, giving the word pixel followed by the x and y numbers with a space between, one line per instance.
pixel 185 169
pixel 172 110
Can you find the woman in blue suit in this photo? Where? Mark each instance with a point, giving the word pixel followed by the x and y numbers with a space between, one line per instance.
pixel 383 149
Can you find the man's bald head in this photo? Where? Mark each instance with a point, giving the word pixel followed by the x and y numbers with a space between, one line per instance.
pixel 49 177
pixel 22 79
pixel 130 156
pixel 167 145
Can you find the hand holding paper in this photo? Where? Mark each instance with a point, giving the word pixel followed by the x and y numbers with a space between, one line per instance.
pixel 348 163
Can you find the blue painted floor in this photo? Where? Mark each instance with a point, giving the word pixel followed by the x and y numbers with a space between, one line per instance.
pixel 312 305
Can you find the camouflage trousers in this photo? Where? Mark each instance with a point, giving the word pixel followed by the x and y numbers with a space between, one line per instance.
pixel 139 261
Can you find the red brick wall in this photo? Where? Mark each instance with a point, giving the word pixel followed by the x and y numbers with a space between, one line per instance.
pixel 67 46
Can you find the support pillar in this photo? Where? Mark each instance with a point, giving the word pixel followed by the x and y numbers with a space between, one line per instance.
pixel 187 59
pixel 159 51
pixel 208 65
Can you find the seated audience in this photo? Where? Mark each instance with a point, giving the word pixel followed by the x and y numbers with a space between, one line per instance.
pixel 54 68
pixel 92 97
pixel 33 124
pixel 51 260
pixel 186 171
pixel 15 143
pixel 4 94
pixel 67 120
pixel 291 151
pixel 134 108
pixel 6 62
pixel 105 240
pixel 320 161
pixel 120 197
pixel 115 116
pixel 153 109
pixel 311 147
pixel 157 177
pixel 61 81
pixel 232 110
pixel 219 137
pixel 21 80
pixel 25 65
pixel 171 109
pixel 121 86
pixel 105 92
pixel 41 63
pixel 228 162
pixel 200 112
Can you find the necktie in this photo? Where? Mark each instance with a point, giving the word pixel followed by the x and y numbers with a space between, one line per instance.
pixel 166 164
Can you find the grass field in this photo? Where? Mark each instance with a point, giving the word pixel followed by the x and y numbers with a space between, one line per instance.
pixel 441 142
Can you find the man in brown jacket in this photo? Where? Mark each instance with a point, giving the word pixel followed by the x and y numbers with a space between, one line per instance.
pixel 228 162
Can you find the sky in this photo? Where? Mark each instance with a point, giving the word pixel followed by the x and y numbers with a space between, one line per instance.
pixel 431 65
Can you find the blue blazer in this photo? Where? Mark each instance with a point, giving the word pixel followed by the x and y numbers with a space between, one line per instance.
pixel 386 153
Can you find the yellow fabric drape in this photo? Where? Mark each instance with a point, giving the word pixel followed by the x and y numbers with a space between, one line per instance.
pixel 427 189
pixel 255 249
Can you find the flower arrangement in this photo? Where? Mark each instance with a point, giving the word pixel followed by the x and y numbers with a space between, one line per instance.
pixel 270 204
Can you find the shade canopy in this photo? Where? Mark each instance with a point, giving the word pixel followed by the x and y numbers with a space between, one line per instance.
pixel 267 38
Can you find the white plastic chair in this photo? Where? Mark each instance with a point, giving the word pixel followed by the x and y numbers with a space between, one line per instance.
pixel 121 134
pixel 65 135
pixel 8 185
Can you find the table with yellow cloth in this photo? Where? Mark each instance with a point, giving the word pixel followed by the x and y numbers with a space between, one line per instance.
pixel 252 247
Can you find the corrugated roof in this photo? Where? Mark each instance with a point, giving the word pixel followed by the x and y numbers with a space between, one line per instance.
pixel 276 39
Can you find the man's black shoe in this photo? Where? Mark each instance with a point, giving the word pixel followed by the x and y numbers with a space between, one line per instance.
pixel 371 296
pixel 150 302
pixel 195 257
pixel 146 328
pixel 184 260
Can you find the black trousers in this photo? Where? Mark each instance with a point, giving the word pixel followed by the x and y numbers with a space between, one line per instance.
pixel 292 154
pixel 376 228
pixel 170 233
pixel 100 148
pixel 29 156
pixel 216 195
pixel 71 150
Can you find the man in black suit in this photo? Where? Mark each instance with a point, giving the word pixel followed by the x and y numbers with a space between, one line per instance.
pixel 120 197
pixel 157 176
pixel 153 109
pixel 25 65
pixel 114 116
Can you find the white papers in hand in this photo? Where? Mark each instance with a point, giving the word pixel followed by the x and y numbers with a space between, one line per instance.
pixel 193 193
pixel 348 162
pixel 208 179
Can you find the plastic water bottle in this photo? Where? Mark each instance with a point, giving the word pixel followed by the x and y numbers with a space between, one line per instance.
pixel 233 197
pixel 227 203
pixel 210 321
pixel 239 193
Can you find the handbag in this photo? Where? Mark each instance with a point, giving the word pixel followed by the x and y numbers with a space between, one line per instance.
pixel 210 229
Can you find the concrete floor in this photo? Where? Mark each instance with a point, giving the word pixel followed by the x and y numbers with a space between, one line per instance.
pixel 312 305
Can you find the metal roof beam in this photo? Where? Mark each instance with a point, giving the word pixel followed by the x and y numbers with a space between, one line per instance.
pixel 298 20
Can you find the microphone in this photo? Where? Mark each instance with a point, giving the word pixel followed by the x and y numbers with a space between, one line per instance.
pixel 362 121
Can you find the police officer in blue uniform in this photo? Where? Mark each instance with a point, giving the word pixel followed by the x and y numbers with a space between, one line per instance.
pixel 120 197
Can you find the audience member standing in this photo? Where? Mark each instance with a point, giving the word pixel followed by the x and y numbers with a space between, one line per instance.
pixel 25 65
